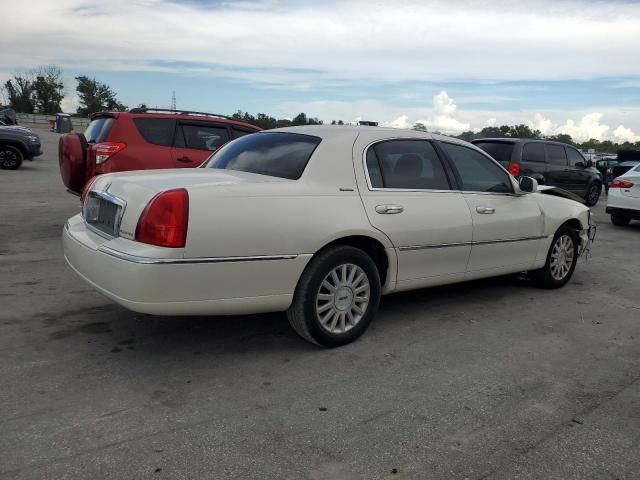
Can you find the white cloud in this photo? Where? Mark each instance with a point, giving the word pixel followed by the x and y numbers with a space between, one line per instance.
pixel 491 122
pixel 587 127
pixel 359 39
pixel 70 104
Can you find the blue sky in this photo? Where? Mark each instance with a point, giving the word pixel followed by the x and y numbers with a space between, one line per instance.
pixel 564 65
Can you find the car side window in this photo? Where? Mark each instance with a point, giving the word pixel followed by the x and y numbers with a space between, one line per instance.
pixel 158 131
pixel 575 158
pixel 201 137
pixel 533 152
pixel 477 172
pixel 556 154
pixel 235 133
pixel 406 164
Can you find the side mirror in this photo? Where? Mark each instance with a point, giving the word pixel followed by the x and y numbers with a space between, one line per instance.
pixel 528 184
pixel 589 164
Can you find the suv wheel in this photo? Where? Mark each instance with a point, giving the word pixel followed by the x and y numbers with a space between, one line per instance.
pixel 593 194
pixel 10 157
pixel 620 220
pixel 336 298
pixel 561 260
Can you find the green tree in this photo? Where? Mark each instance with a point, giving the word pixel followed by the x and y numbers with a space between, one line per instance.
pixel 96 97
pixel 20 93
pixel 562 137
pixel 48 89
pixel 420 126
pixel 523 131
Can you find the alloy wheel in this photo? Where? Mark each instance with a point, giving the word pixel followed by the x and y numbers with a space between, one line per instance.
pixel 8 159
pixel 561 257
pixel 343 298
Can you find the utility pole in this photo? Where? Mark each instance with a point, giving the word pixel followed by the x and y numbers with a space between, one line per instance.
pixel 173 100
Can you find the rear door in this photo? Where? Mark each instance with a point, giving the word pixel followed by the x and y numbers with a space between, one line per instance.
pixel 195 141
pixel 507 228
pixel 557 166
pixel 533 162
pixel 632 176
pixel 408 197
pixel 578 177
pixel 138 156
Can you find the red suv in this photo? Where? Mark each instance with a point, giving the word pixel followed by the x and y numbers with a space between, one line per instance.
pixel 143 139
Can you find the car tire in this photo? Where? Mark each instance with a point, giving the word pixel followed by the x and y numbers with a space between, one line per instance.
pixel 561 260
pixel 593 194
pixel 10 157
pixel 620 220
pixel 336 298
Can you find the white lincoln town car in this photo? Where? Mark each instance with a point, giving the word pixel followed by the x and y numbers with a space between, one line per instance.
pixel 318 221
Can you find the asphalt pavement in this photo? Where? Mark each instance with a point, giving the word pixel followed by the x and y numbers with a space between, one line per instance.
pixel 493 379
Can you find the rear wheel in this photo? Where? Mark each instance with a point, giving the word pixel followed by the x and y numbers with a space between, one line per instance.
pixel 561 260
pixel 10 157
pixel 620 220
pixel 336 298
pixel 593 194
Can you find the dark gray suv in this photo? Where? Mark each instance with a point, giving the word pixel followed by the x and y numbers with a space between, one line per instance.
pixel 550 163
pixel 17 144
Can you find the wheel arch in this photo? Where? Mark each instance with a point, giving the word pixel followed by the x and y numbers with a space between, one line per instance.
pixel 372 247
pixel 15 144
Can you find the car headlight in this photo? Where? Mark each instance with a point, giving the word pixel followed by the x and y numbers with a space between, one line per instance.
pixel 33 138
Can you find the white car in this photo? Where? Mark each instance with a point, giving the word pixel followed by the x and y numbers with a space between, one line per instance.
pixel 623 201
pixel 318 221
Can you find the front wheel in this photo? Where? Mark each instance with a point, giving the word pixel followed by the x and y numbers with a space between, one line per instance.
pixel 561 260
pixel 593 194
pixel 336 298
pixel 10 157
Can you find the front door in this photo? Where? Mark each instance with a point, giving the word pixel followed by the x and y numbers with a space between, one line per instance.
pixel 507 228
pixel 408 197
pixel 196 141
pixel 557 166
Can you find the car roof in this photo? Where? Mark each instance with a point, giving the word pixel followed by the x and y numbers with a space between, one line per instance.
pixel 180 116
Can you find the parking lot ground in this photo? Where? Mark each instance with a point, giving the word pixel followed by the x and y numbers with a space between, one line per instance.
pixel 487 380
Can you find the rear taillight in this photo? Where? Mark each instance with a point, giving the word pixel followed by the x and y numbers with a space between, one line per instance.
pixel 165 219
pixel 106 150
pixel 85 190
pixel 514 169
pixel 618 183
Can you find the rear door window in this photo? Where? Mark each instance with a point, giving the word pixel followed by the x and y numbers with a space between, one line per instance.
pixel 556 154
pixel 533 152
pixel 201 137
pixel 406 164
pixel 98 129
pixel 501 151
pixel 276 154
pixel 158 131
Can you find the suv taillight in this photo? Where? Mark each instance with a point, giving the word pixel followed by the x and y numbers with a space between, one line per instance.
pixel 514 169
pixel 617 183
pixel 165 219
pixel 106 150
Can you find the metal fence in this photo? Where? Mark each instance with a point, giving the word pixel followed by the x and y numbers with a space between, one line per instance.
pixel 79 123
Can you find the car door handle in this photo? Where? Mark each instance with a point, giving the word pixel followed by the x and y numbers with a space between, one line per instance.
pixel 389 209
pixel 485 210
pixel 184 159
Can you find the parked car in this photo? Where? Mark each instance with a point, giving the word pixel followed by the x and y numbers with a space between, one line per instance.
pixel 623 167
pixel 318 222
pixel 16 145
pixel 623 202
pixel 550 163
pixel 143 139
pixel 605 166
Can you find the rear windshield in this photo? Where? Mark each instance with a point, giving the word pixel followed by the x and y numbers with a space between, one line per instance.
pixel 501 151
pixel 276 154
pixel 98 129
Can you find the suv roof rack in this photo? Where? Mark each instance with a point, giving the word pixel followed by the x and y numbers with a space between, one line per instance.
pixel 179 112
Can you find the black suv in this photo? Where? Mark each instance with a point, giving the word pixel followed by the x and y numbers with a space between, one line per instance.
pixel 550 163
pixel 17 144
